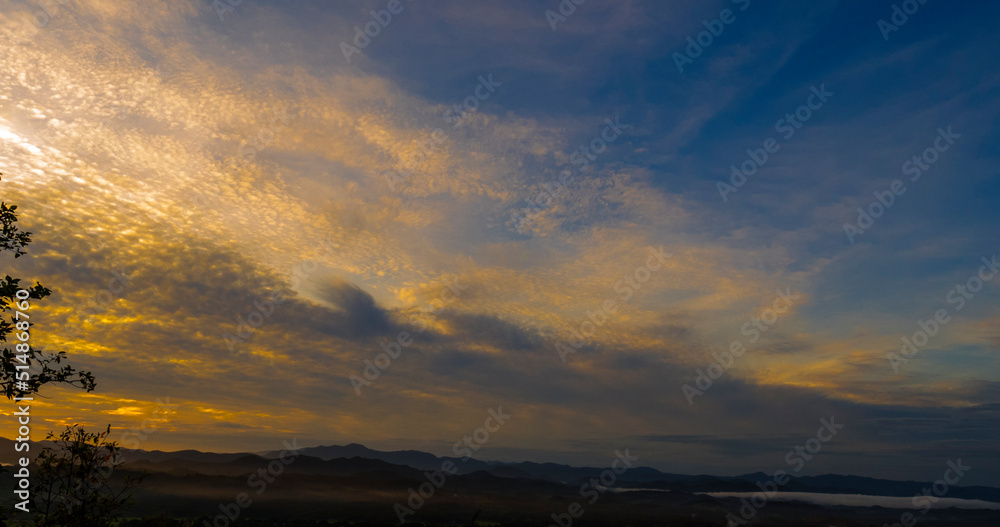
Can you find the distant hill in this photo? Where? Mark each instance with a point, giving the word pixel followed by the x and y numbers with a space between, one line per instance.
pixel 358 461
pixel 410 458
pixel 252 463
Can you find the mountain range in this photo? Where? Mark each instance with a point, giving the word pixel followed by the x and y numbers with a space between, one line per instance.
pixel 355 460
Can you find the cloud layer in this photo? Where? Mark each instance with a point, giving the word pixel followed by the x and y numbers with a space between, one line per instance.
pixel 235 170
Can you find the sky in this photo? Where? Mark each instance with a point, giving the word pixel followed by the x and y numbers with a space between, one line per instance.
pixel 571 214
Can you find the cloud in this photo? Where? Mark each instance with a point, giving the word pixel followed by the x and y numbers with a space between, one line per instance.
pixel 216 164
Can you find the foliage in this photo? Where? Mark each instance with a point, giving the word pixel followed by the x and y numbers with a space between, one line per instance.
pixel 44 367
pixel 73 481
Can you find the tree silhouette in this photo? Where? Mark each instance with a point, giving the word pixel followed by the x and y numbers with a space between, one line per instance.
pixel 48 367
pixel 16 376
pixel 73 480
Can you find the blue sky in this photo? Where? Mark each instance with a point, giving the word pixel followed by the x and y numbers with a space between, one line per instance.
pixel 221 160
